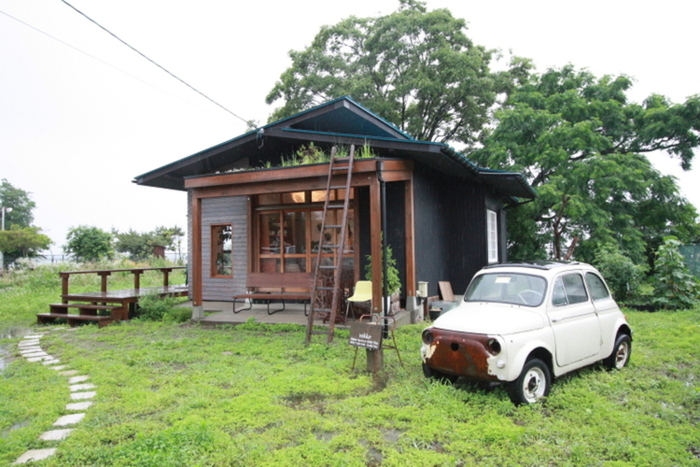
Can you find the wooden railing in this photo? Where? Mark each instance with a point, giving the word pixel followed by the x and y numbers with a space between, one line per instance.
pixel 105 273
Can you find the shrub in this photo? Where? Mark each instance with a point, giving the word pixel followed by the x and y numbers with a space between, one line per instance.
pixel 622 275
pixel 154 308
pixel 674 286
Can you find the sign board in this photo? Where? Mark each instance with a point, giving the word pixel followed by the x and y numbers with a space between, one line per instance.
pixel 366 335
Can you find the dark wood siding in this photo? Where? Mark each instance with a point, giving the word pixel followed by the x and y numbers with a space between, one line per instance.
pixel 450 229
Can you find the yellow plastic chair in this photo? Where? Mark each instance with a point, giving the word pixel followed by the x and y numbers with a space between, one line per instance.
pixel 363 293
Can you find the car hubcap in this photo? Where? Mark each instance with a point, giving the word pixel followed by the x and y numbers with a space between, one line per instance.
pixel 621 356
pixel 533 384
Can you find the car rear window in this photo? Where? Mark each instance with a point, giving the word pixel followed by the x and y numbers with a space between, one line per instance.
pixel 512 288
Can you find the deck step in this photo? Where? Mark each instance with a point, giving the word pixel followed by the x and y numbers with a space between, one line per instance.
pixel 84 309
pixel 73 320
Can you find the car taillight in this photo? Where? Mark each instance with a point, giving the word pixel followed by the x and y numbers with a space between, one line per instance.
pixel 427 337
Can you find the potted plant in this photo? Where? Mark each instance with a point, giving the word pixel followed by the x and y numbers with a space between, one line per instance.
pixel 393 278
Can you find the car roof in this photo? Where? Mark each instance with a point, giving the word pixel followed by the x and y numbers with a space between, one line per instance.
pixel 538 264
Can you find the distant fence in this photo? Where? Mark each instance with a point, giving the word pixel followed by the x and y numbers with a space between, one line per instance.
pixel 691 253
pixel 50 259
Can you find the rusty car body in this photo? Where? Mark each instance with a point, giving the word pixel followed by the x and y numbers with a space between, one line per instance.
pixel 525 324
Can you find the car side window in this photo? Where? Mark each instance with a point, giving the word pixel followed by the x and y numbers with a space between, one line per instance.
pixel 569 290
pixel 559 294
pixel 597 287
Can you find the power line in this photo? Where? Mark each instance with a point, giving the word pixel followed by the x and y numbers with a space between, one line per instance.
pixel 101 61
pixel 153 62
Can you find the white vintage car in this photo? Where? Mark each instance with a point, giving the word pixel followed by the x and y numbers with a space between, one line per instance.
pixel 526 323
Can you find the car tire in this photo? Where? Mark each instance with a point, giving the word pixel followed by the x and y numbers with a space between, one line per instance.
pixel 438 375
pixel 534 383
pixel 621 353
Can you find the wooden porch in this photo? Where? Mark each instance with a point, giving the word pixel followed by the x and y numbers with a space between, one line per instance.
pixel 106 306
pixel 221 313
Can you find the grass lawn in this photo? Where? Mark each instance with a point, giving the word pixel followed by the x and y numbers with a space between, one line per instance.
pixel 255 395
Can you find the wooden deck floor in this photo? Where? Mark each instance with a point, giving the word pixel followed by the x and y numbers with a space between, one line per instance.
pixel 220 313
pixel 116 296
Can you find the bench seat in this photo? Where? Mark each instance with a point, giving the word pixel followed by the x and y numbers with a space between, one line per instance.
pixel 280 281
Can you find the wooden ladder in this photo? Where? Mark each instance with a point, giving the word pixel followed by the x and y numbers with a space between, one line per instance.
pixel 329 285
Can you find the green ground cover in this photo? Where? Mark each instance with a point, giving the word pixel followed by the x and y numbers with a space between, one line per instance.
pixel 255 395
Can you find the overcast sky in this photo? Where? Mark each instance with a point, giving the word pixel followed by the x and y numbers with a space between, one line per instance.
pixel 76 126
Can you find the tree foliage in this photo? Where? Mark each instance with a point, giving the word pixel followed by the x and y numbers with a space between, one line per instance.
pixel 415 68
pixel 622 275
pixel 89 243
pixel 581 144
pixel 674 286
pixel 20 202
pixel 140 244
pixel 22 242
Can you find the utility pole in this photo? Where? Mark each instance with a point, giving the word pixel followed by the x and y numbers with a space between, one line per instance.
pixel 3 209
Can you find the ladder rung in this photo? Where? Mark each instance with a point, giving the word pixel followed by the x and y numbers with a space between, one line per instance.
pixel 336 206
pixel 320 332
pixel 338 187
pixel 341 168
pixel 328 267
pixel 322 310
pixel 333 226
pixel 325 288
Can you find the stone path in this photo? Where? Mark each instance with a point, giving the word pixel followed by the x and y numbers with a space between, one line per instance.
pixel 30 349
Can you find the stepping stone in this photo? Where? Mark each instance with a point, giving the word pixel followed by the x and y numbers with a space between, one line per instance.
pixel 59 367
pixel 34 348
pixel 82 387
pixel 76 396
pixel 45 358
pixel 35 455
pixel 55 435
pixel 50 362
pixel 34 353
pixel 69 419
pixel 24 344
pixel 79 405
pixel 69 373
pixel 78 379
pixel 33 336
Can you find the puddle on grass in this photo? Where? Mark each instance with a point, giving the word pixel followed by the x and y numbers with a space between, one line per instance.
pixel 16 426
pixel 11 333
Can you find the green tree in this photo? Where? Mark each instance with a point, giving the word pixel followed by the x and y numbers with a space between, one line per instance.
pixel 20 202
pixel 22 242
pixel 415 68
pixel 622 275
pixel 138 245
pixel 674 286
pixel 581 144
pixel 169 237
pixel 88 243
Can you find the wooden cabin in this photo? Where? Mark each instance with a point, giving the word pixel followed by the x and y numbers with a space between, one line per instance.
pixel 443 217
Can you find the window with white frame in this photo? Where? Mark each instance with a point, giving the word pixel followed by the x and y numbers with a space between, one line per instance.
pixel 492 235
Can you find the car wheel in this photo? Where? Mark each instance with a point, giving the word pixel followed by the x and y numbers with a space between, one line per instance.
pixel 621 353
pixel 438 375
pixel 533 384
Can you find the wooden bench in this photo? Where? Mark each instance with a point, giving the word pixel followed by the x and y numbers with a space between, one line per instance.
pixel 274 287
